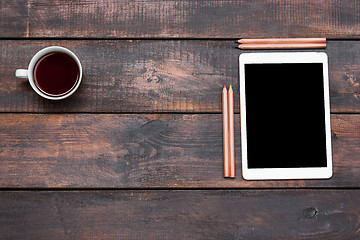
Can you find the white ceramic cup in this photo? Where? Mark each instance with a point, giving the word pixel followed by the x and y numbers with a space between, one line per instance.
pixel 29 73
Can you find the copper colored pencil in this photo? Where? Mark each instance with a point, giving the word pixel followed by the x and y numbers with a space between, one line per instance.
pixel 281 40
pixel 231 132
pixel 225 131
pixel 282 46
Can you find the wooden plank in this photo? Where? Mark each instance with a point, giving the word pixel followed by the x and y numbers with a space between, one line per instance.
pixel 158 76
pixel 180 19
pixel 127 76
pixel 143 151
pixel 14 18
pixel 220 215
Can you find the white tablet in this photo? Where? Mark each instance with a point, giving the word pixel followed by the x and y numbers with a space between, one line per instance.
pixel 285 116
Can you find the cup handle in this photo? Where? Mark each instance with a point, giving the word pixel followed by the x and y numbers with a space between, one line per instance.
pixel 21 73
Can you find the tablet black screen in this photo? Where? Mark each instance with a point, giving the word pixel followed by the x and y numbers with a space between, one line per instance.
pixel 285 115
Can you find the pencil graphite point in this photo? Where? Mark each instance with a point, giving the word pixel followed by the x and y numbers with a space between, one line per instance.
pixel 230 86
pixel 224 85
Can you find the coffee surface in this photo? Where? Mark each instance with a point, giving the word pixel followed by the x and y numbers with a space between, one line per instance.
pixel 56 74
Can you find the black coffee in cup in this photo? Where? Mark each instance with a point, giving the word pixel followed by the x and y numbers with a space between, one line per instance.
pixel 56 74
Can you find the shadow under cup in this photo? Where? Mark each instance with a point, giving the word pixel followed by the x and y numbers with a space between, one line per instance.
pixel 56 74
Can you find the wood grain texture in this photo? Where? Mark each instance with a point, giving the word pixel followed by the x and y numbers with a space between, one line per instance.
pixel 184 19
pixel 143 151
pixel 158 76
pixel 154 70
pixel 220 215
pixel 14 18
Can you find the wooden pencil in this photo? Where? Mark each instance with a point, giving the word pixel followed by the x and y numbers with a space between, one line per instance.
pixel 231 132
pixel 283 46
pixel 281 40
pixel 225 131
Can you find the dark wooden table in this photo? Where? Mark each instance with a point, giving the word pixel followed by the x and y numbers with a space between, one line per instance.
pixel 136 152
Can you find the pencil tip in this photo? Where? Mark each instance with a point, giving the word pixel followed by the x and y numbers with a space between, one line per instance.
pixel 224 85
pixel 230 87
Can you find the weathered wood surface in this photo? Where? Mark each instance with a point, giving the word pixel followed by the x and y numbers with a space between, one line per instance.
pixel 203 214
pixel 180 19
pixel 164 63
pixel 158 76
pixel 143 151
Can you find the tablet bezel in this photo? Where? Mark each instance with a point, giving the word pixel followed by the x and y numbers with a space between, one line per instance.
pixel 285 173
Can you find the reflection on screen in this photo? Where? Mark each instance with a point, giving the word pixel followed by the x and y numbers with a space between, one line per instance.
pixel 285 115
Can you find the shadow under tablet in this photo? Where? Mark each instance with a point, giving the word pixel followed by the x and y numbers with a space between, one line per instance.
pixel 285 115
